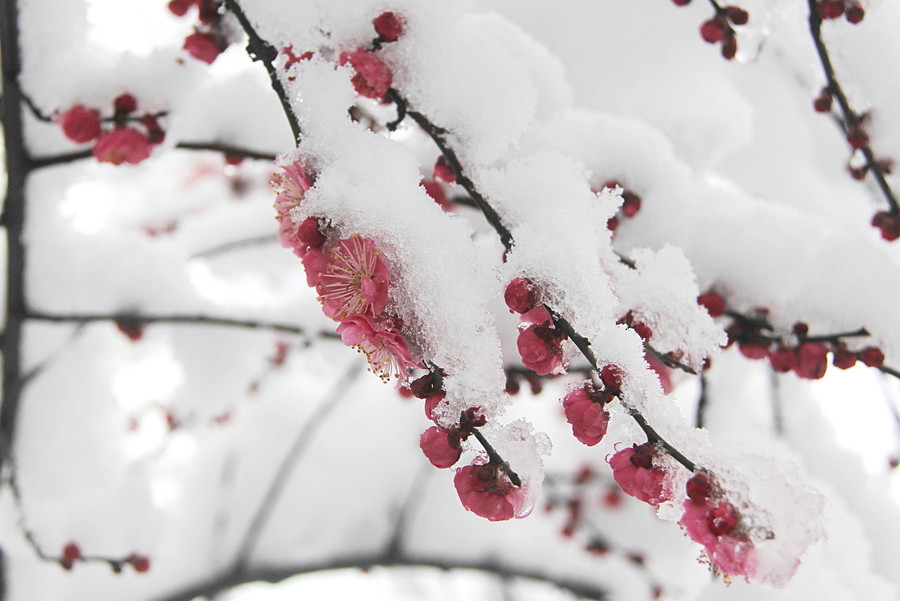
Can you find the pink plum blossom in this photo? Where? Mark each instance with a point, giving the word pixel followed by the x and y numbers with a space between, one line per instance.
pixel 636 475
pixel 291 184
pixel 520 296
pixel 715 525
pixel 540 344
pixel 122 145
pixel 588 418
pixel 485 490
pixel 372 78
pixel 355 282
pixel 80 124
pixel 441 447
pixel 385 349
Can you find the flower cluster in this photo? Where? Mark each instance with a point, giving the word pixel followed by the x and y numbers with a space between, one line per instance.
pixel 208 40
pixel 720 28
pixel 714 522
pixel 128 140
pixel 584 406
pixel 852 10
pixel 349 275
pixel 372 77
pixel 540 341
pixel 796 352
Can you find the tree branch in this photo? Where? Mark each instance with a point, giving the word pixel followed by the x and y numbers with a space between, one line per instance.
pixel 260 50
pixel 289 462
pixel 178 319
pixel 230 579
pixel 850 117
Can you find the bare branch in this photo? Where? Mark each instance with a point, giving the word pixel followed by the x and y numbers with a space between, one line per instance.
pixel 304 439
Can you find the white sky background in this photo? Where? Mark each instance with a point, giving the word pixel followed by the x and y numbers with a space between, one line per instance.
pixel 737 120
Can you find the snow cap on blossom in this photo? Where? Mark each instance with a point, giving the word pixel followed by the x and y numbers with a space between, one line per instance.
pixel 385 349
pixel 80 124
pixel 122 145
pixel 586 414
pixel 355 282
pixel 372 78
pixel 634 471
pixel 485 490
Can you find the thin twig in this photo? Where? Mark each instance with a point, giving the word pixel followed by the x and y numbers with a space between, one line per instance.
pixel 211 587
pixel 198 319
pixel 235 245
pixel 260 50
pixel 304 439
pixel 850 117
pixel 702 402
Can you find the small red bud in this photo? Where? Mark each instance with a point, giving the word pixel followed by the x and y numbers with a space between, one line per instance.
pixel 737 15
pixel 389 26
pixel 855 13
pixel 783 359
pixel 843 359
pixel 713 303
pixel 179 8
pixel 871 356
pixel 857 136
pixel 712 31
pixel 308 233
pixel 831 9
pixel 823 102
pixel 631 205
pixel 140 563
pixel 125 104
pixel 888 223
pixel 681 2
pixel 442 171
pixel 729 47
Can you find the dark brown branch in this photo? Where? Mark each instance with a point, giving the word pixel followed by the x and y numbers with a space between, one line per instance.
pixel 260 50
pixel 226 149
pixel 18 166
pixel 702 402
pixel 230 579
pixel 197 319
pixel 493 455
pixel 439 135
pixel 850 117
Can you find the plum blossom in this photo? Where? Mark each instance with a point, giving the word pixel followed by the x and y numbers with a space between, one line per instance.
pixel 716 526
pixel 80 124
pixel 122 145
pixel 372 78
pixel 485 490
pixel 540 343
pixel 636 475
pixel 385 349
pixel 586 414
pixel 355 282
pixel 203 47
pixel 520 295
pixel 290 184
pixel 441 446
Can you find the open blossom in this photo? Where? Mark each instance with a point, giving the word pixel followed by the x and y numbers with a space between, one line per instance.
pixel 715 525
pixel 355 282
pixel 485 490
pixel 586 414
pixel 291 184
pixel 385 349
pixel 441 446
pixel 636 475
pixel 540 344
pixel 372 78
pixel 122 145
